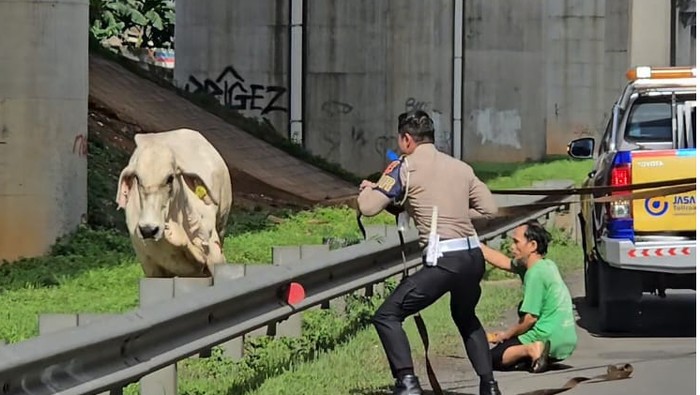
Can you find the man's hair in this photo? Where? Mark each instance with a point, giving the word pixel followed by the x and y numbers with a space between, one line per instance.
pixel 537 233
pixel 418 124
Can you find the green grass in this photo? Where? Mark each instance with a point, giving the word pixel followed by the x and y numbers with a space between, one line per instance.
pixel 511 175
pixel 345 369
pixel 94 271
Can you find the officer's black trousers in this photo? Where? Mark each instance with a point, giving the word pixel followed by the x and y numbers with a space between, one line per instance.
pixel 457 272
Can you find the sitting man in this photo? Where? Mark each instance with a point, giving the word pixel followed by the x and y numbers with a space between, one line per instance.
pixel 546 330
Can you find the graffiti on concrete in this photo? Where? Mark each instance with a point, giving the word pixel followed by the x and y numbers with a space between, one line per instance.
pixel 358 136
pixel 581 130
pixel 333 141
pixel 443 138
pixel 333 108
pixel 413 104
pixel 236 94
pixel 384 143
pixel 80 145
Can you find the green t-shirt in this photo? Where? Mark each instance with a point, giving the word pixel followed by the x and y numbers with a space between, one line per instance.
pixel 546 296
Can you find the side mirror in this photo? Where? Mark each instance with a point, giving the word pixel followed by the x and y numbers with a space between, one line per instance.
pixel 581 148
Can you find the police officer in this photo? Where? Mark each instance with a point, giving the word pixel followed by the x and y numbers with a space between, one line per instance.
pixel 429 184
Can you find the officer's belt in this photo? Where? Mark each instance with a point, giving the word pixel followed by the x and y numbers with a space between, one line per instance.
pixel 461 244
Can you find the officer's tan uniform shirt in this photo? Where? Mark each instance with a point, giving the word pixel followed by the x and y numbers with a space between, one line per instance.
pixel 436 179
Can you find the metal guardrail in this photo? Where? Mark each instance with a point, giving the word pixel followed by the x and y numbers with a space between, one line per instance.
pixel 116 351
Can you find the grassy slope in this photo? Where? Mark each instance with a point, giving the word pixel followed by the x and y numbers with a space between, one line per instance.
pixel 95 271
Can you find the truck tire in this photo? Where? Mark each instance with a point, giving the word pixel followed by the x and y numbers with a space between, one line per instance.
pixel 590 279
pixel 619 293
pixel 590 268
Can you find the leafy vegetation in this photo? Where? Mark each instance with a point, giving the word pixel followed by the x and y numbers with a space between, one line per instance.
pixel 151 21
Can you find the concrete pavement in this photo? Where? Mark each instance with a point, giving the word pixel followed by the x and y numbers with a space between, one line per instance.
pixel 663 357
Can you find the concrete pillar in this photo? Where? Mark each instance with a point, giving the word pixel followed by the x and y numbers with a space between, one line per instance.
pixel 650 33
pixel 43 123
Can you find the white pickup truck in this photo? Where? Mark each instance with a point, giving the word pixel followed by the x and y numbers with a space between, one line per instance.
pixel 648 245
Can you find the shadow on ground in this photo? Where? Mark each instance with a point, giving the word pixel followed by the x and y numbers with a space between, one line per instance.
pixel 672 316
pixel 387 391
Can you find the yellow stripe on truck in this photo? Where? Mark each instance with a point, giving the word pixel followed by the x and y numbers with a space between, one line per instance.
pixel 666 213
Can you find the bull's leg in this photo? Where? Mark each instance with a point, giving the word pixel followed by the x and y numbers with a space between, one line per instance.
pixel 216 253
pixel 175 235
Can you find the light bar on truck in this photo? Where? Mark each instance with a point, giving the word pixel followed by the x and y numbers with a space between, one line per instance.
pixel 647 72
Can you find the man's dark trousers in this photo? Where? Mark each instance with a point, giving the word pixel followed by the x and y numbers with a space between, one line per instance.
pixel 457 272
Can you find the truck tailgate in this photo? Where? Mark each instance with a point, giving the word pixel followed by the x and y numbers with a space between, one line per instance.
pixel 666 213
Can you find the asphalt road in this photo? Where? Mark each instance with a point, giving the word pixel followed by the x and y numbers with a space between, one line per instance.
pixel 663 354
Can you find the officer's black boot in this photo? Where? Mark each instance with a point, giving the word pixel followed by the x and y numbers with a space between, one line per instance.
pixel 407 385
pixel 489 388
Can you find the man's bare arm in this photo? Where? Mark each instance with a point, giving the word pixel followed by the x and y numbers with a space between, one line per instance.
pixel 371 202
pixel 481 201
pixel 527 322
pixel 496 258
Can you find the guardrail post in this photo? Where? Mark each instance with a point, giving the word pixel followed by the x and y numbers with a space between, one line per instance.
pixel 224 275
pixel 163 381
pixel 374 233
pixel 185 285
pixel 49 323
pixel 291 327
pixel 315 251
pixel 256 269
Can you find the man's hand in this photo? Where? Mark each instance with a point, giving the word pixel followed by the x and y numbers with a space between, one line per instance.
pixel 496 258
pixel 497 337
pixel 367 184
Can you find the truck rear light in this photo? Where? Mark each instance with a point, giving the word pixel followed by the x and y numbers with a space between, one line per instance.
pixel 620 223
pixel 620 175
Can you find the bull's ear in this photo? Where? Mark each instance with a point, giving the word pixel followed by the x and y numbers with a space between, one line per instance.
pixel 126 182
pixel 197 186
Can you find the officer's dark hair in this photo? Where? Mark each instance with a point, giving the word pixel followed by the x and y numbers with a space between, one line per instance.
pixel 418 124
pixel 537 233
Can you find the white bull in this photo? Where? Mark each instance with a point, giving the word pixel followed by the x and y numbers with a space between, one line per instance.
pixel 177 195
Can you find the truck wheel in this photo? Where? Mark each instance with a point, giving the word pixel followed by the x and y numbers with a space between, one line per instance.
pixel 590 268
pixel 618 305
pixel 590 279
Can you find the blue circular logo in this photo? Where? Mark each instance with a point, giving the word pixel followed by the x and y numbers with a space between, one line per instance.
pixel 656 206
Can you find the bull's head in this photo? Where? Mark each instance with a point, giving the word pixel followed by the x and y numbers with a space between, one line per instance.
pixel 157 179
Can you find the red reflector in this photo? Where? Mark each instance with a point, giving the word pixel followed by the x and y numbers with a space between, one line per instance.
pixel 294 293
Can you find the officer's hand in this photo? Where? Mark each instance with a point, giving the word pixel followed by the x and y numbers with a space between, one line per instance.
pixel 367 184
pixel 498 337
